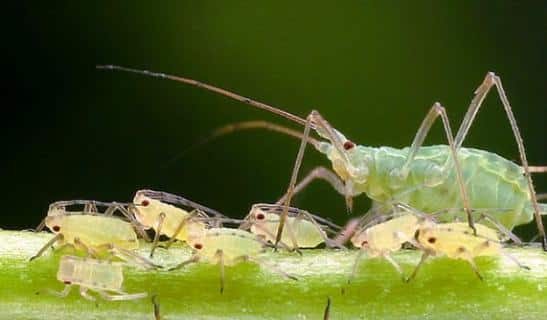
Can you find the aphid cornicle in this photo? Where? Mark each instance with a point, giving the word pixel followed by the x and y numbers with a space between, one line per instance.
pixel 303 230
pixel 429 179
pixel 227 247
pixel 103 277
pixel 95 234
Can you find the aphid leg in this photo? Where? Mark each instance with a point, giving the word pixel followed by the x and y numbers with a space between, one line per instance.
pixel 355 265
pixel 493 80
pixel 60 294
pixel 159 225
pixel 330 243
pixel 182 223
pixel 318 173
pixel 50 243
pixel 90 206
pixel 127 256
pixel 542 196
pixel 395 265
pixel 157 314
pixel 475 268
pixel 85 295
pixel 515 261
pixel 436 111
pixel 130 214
pixel 267 266
pixel 501 228
pixel 220 257
pixel 121 296
pixel 78 244
pixel 193 259
pixel 425 255
pixel 272 236
pixel 292 182
pixel 41 226
pixel 326 313
pixel 347 232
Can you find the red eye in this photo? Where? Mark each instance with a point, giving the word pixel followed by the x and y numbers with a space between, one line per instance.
pixel 260 216
pixel 56 228
pixel 432 240
pixel 364 243
pixel 348 145
pixel 198 246
pixel 67 282
pixel 144 203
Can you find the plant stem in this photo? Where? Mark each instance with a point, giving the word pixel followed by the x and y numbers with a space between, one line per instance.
pixel 444 288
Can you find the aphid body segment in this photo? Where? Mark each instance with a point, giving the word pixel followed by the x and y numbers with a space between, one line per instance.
pixel 152 212
pixel 103 277
pixel 302 230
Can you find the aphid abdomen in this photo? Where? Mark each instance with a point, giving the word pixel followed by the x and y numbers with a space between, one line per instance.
pixel 492 182
pixel 307 234
pixel 234 243
pixel 95 230
pixel 90 273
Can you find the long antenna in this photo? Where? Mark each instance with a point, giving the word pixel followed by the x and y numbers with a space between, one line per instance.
pixel 209 87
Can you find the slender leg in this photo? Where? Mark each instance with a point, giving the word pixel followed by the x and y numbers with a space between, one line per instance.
pixel 58 237
pixel 41 226
pixel 292 182
pixel 182 223
pixel 220 256
pixel 347 232
pixel 78 244
pixel 121 297
pixel 501 228
pixel 85 295
pixel 475 268
pixel 159 225
pixel 542 196
pixel 318 173
pixel 537 169
pixel 395 265
pixel 355 265
pixel 330 243
pixel 60 294
pixel 127 255
pixel 268 266
pixel 515 261
pixel 436 111
pixel 157 314
pixel 193 259
pixel 129 213
pixel 326 313
pixel 489 81
pixel 425 255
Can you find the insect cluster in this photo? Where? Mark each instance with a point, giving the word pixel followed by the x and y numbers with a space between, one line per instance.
pixel 443 200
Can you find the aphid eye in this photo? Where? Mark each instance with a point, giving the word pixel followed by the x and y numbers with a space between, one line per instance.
pixel 67 282
pixel 144 203
pixel 260 216
pixel 432 240
pixel 348 145
pixel 56 228
pixel 198 246
pixel 364 243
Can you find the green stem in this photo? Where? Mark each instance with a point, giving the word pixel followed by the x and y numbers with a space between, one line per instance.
pixel 444 288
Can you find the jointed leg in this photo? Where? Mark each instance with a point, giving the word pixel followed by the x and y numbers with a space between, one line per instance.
pixel 85 295
pixel 58 237
pixel 122 296
pixel 159 225
pixel 489 81
pixel 425 255
pixel 355 265
pixel 268 266
pixel 60 294
pixel 127 255
pixel 193 259
pixel 395 265
pixel 220 257
pixel 182 223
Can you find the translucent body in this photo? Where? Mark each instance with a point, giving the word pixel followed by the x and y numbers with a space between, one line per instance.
pixel 148 214
pixel 389 236
pixel 103 277
pixel 456 241
pixel 93 230
pixel 492 182
pixel 233 243
pixel 306 233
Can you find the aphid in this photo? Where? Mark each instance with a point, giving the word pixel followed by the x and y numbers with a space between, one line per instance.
pixel 154 211
pixel 302 231
pixel 103 277
pixel 227 247
pixel 457 241
pixel 382 239
pixel 95 234
pixel 429 179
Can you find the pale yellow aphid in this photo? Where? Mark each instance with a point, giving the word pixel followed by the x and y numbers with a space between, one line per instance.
pixel 226 247
pixel 95 234
pixel 457 241
pixel 382 239
pixel 301 230
pixel 167 219
pixel 103 277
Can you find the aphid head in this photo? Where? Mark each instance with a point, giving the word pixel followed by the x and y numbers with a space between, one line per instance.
pixel 143 210
pixel 54 223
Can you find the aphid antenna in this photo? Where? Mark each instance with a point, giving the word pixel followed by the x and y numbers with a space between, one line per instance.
pixel 198 84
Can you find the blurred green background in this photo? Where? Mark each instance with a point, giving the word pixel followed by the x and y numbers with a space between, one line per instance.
pixel 372 68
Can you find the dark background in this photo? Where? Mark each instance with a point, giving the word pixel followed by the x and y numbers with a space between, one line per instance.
pixel 373 68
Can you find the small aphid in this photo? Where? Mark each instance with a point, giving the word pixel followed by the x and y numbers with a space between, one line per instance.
pixel 227 247
pixel 382 239
pixel 457 241
pixel 302 229
pixel 94 234
pixel 103 277
pixel 167 219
